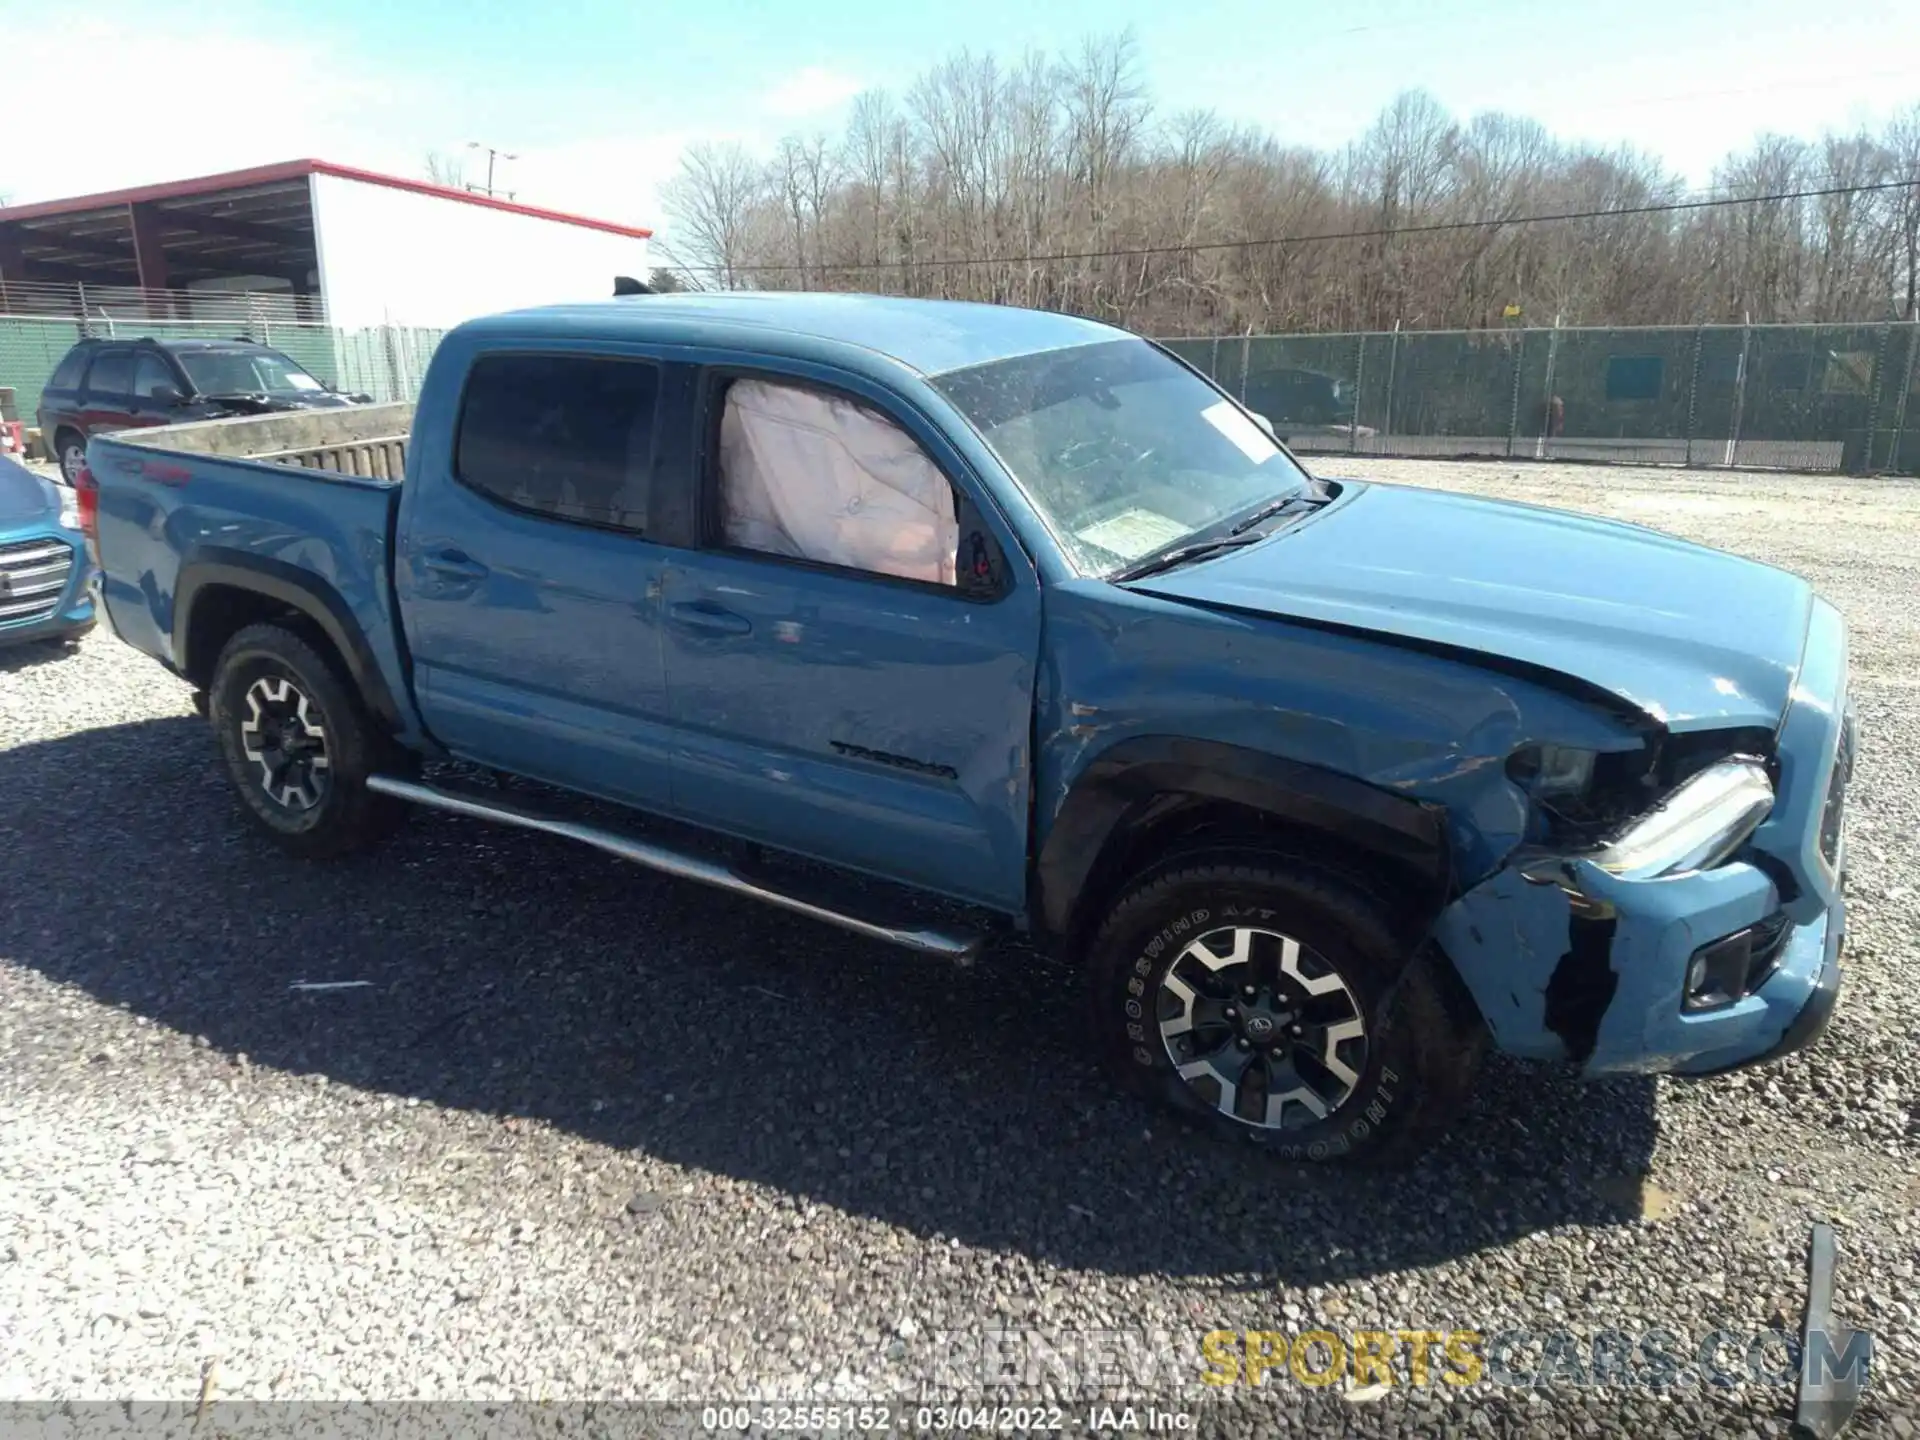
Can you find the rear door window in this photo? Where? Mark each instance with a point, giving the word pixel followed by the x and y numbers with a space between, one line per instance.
pixel 67 375
pixel 569 436
pixel 112 373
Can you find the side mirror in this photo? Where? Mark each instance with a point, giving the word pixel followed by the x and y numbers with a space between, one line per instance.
pixel 1264 423
pixel 165 395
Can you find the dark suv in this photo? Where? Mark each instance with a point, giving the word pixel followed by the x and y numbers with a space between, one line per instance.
pixel 106 385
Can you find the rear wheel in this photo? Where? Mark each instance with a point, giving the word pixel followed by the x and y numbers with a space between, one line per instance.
pixel 298 744
pixel 70 449
pixel 1274 1003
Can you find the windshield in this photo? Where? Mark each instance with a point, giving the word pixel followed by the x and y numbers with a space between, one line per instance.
pixel 1122 448
pixel 243 372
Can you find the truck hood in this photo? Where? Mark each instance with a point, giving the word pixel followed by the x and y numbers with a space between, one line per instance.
pixel 1695 638
pixel 23 496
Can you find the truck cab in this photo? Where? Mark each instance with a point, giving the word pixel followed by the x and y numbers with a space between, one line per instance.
pixel 1326 784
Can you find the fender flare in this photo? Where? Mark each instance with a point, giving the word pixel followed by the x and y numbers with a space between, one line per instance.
pixel 1116 790
pixel 204 568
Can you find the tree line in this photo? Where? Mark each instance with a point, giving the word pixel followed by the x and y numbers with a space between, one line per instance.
pixel 1018 181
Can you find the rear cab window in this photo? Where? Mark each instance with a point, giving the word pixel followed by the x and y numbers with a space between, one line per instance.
pixel 566 436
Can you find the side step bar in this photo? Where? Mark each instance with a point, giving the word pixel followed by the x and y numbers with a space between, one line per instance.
pixel 958 946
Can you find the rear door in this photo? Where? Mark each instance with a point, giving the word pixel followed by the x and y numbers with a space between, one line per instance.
pixel 527 579
pixel 107 402
pixel 864 718
pixel 60 400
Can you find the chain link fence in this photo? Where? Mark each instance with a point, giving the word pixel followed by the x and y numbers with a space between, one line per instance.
pixel 1840 398
pixel 1792 397
pixel 386 362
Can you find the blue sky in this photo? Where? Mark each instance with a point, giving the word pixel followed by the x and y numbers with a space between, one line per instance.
pixel 599 98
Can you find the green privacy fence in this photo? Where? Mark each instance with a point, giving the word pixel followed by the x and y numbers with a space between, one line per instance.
pixel 386 362
pixel 1798 397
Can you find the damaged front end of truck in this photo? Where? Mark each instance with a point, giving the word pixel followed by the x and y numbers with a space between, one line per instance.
pixel 1680 909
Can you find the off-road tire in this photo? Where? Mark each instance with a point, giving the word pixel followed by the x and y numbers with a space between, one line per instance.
pixel 344 816
pixel 1422 1046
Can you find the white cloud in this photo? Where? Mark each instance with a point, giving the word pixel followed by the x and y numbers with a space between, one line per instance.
pixel 327 98
pixel 284 100
pixel 608 177
pixel 810 91
pixel 294 100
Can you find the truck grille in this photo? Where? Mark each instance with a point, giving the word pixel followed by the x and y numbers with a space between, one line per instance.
pixel 1833 814
pixel 33 576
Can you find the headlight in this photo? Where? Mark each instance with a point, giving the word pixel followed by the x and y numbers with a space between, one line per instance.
pixel 1696 827
pixel 1545 771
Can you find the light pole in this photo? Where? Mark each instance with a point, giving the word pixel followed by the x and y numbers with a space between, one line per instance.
pixel 492 155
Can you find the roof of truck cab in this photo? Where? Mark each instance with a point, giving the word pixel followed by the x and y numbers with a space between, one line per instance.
pixel 931 336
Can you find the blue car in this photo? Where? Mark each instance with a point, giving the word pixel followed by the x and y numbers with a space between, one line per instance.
pixel 1325 784
pixel 47 581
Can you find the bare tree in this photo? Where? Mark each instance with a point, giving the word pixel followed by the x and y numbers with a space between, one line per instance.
pixel 447 170
pixel 1045 181
pixel 1903 159
pixel 712 203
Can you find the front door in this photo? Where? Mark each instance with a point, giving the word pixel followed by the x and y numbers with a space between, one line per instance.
pixel 156 391
pixel 528 585
pixel 852 683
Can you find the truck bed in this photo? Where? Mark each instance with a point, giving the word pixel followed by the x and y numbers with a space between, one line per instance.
pixel 190 515
pixel 369 441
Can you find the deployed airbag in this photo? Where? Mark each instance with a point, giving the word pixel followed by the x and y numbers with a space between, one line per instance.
pixel 824 478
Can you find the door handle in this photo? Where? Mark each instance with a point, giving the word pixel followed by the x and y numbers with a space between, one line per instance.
pixel 704 615
pixel 454 564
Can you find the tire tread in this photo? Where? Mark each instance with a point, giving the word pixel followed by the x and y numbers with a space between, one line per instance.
pixel 1446 1046
pixel 358 817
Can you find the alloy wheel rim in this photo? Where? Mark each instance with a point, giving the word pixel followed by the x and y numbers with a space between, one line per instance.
pixel 1262 1028
pixel 283 737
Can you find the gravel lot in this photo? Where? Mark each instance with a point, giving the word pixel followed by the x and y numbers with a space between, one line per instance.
pixel 588 1133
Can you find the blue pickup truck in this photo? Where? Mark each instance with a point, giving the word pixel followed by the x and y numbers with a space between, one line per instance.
pixel 863 602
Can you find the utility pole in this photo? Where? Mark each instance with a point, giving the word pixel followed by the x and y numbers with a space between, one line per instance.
pixel 492 155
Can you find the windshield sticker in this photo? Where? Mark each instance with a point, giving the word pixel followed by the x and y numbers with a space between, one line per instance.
pixel 1132 533
pixel 301 381
pixel 1232 422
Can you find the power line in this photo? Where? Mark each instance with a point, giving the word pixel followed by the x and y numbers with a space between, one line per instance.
pixel 1665 207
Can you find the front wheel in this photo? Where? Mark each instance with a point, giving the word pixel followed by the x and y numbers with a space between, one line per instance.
pixel 1273 1003
pixel 298 744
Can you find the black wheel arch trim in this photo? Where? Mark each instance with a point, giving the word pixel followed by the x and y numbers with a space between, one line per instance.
pixel 204 568
pixel 1120 789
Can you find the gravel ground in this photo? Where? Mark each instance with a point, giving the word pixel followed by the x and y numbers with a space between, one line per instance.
pixel 585 1133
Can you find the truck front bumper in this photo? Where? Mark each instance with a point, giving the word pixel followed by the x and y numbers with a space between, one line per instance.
pixel 1584 966
pixel 1809 1023
pixel 1569 961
